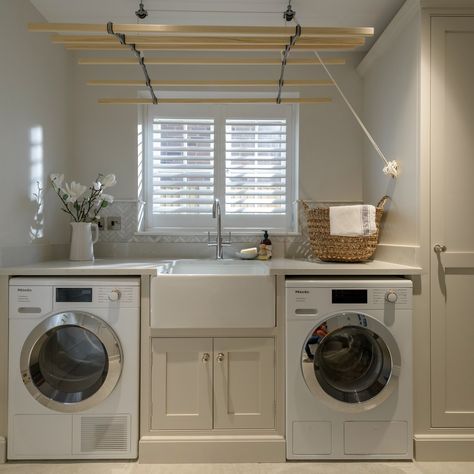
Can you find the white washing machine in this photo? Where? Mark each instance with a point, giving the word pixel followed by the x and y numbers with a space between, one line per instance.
pixel 349 368
pixel 73 368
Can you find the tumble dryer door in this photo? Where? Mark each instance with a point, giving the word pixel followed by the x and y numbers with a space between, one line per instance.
pixel 351 361
pixel 71 361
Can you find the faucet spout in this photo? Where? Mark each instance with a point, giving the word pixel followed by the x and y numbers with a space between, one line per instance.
pixel 216 214
pixel 219 242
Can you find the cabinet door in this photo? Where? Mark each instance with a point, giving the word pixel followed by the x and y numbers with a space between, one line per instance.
pixel 181 383
pixel 244 383
pixel 452 221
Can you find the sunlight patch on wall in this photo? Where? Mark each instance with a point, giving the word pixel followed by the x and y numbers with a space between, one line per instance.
pixel 37 184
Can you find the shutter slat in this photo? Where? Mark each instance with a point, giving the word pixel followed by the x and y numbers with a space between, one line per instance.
pixel 184 149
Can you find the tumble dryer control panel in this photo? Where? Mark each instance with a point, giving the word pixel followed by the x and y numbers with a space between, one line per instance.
pixel 35 297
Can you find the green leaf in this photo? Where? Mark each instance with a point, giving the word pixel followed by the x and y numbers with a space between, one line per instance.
pixel 104 204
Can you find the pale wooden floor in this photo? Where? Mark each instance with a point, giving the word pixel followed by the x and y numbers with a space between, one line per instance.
pixel 287 468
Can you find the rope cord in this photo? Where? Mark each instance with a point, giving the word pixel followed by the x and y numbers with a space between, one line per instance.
pixel 391 167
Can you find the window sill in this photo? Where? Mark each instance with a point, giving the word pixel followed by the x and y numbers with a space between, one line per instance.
pixel 199 232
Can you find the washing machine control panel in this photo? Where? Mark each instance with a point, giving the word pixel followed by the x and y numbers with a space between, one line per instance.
pixel 305 301
pixel 398 296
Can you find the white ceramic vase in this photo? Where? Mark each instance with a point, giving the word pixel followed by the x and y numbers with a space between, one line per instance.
pixel 82 242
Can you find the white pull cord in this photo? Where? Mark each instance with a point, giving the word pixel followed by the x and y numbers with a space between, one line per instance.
pixel 391 168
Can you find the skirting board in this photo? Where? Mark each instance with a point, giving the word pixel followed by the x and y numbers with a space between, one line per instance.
pixel 444 448
pixel 3 450
pixel 153 450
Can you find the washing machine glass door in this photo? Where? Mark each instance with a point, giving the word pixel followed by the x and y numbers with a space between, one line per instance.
pixel 351 359
pixel 71 361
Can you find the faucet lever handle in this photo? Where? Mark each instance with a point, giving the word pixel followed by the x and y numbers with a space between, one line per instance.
pixel 209 243
pixel 229 241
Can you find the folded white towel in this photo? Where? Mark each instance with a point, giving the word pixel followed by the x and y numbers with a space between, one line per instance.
pixel 352 221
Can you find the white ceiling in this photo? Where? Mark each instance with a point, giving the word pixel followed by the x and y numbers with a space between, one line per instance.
pixel 376 13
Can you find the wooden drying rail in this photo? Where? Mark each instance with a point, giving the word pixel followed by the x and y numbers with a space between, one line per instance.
pixel 208 40
pixel 147 37
pixel 308 32
pixel 210 83
pixel 303 100
pixel 195 61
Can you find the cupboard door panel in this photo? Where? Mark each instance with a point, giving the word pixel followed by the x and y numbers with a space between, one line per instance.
pixel 244 383
pixel 452 221
pixel 181 383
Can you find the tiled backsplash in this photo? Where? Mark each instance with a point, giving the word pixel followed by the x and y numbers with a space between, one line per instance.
pixel 127 210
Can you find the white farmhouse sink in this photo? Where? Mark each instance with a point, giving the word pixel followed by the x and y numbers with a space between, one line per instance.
pixel 213 294
pixel 218 267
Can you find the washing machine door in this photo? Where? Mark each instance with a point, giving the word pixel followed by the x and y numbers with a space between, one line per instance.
pixel 351 361
pixel 71 361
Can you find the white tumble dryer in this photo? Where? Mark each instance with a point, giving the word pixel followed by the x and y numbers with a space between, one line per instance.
pixel 73 368
pixel 349 368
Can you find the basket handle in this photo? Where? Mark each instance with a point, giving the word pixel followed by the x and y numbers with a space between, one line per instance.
pixel 382 201
pixel 305 204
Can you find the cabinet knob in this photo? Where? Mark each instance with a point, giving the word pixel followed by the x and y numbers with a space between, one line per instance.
pixel 438 248
pixel 220 357
pixel 205 357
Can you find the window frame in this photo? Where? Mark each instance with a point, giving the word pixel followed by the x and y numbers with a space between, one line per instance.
pixel 167 224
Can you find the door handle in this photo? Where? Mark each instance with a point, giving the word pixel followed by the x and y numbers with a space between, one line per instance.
pixel 438 248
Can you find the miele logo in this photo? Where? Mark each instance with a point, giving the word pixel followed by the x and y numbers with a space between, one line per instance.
pixel 24 289
pixel 302 292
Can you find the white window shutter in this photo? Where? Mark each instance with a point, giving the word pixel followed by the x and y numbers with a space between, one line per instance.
pixel 183 166
pixel 256 167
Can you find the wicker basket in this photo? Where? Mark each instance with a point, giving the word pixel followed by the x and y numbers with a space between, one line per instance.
pixel 335 248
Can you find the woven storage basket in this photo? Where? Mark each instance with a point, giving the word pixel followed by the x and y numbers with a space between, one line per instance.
pixel 335 248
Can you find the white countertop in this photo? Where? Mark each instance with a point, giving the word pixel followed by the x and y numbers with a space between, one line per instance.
pixel 279 266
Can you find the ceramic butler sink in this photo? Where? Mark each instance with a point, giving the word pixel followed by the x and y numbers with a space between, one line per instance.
pixel 218 267
pixel 213 294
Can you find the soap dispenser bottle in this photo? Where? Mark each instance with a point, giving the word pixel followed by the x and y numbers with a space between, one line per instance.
pixel 265 247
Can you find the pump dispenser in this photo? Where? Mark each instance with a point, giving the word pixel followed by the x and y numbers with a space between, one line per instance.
pixel 265 247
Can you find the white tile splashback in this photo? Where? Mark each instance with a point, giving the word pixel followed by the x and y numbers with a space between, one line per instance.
pixel 127 243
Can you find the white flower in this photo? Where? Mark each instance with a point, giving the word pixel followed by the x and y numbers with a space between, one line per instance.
pixel 109 180
pixel 96 185
pixel 74 191
pixel 108 198
pixel 57 179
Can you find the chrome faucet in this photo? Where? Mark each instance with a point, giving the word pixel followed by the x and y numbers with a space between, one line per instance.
pixel 219 242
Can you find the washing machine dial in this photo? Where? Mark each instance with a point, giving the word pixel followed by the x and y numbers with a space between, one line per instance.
pixel 391 296
pixel 115 295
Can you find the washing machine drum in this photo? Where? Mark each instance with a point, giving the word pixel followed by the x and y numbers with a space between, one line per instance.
pixel 351 359
pixel 71 361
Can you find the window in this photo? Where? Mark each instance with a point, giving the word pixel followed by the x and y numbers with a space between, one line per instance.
pixel 242 154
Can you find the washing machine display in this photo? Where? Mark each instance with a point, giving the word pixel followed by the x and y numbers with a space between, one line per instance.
pixel 350 358
pixel 71 361
pixel 349 368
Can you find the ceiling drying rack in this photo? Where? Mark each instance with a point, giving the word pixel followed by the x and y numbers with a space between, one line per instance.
pixel 141 38
pixel 151 37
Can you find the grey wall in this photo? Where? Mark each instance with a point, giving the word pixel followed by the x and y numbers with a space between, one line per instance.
pixel 34 135
pixel 391 92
